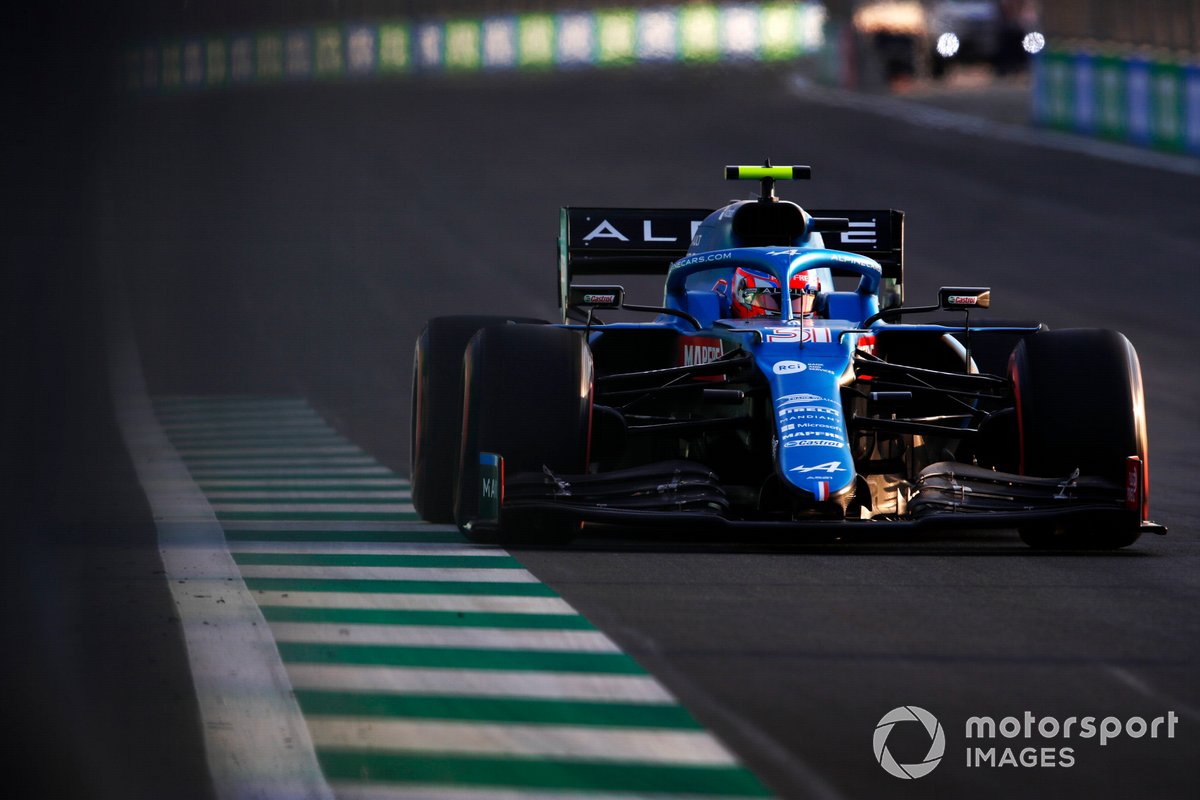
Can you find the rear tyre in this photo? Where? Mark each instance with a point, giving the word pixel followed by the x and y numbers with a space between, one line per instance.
pixel 1080 405
pixel 436 422
pixel 528 398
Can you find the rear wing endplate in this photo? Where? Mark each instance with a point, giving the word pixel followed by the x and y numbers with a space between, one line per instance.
pixel 645 241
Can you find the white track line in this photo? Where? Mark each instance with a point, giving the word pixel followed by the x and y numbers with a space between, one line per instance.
pixel 256 740
pixel 548 741
pixel 481 683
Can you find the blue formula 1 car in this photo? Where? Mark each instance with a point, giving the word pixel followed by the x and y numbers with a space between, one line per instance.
pixel 782 385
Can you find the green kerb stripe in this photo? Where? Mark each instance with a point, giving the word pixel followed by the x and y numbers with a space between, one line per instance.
pixel 532 773
pixel 465 619
pixel 458 658
pixel 399 587
pixel 326 516
pixel 367 560
pixel 488 709
pixel 394 537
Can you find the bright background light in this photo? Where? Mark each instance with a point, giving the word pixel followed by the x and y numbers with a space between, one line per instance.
pixel 1033 42
pixel 947 45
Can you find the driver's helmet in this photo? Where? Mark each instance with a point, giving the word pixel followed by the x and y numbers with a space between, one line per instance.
pixel 756 294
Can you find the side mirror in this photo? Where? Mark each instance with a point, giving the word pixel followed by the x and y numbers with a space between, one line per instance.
pixel 951 298
pixel 595 296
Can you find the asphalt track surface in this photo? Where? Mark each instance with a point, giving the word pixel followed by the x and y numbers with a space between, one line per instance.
pixel 293 241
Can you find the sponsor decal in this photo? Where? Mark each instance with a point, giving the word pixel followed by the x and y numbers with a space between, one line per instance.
pixel 828 467
pixel 599 299
pixel 828 434
pixel 863 237
pixel 813 443
pixel 866 344
pixel 828 429
pixel 789 367
pixel 605 230
pixel 962 300
pixel 704 258
pixel 797 334
pixel 816 367
pixel 794 251
pixel 792 399
pixel 694 351
pixel 833 412
pixel 859 261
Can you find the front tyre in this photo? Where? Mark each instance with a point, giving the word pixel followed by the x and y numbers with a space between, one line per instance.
pixel 437 410
pixel 1080 405
pixel 528 398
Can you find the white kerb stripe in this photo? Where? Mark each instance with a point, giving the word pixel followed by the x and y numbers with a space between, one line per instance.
pixel 368 548
pixel 256 740
pixel 381 790
pixel 480 683
pixel 457 575
pixel 301 508
pixel 445 636
pixel 216 473
pixel 498 604
pixel 547 741
pixel 256 452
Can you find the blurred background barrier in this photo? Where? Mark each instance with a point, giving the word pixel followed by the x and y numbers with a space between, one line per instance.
pixel 1147 100
pixel 605 37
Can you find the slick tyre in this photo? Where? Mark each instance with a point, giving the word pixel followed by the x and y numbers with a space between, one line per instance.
pixel 436 423
pixel 1080 405
pixel 527 398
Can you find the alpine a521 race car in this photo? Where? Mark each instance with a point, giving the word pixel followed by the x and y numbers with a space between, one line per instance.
pixel 782 385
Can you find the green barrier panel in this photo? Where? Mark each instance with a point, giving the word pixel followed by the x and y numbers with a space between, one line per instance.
pixel 779 30
pixel 1110 97
pixel 1060 90
pixel 616 38
pixel 329 58
pixel 172 66
pixel 395 48
pixel 463 44
pixel 268 56
pixel 535 41
pixel 216 63
pixel 700 33
pixel 1167 130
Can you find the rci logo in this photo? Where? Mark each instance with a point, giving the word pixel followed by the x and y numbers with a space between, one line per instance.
pixel 937 742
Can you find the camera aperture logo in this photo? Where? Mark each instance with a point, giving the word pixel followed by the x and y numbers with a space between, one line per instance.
pixel 937 742
pixel 1044 741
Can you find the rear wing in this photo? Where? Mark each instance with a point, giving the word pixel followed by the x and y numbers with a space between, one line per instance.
pixel 645 241
pixel 622 241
